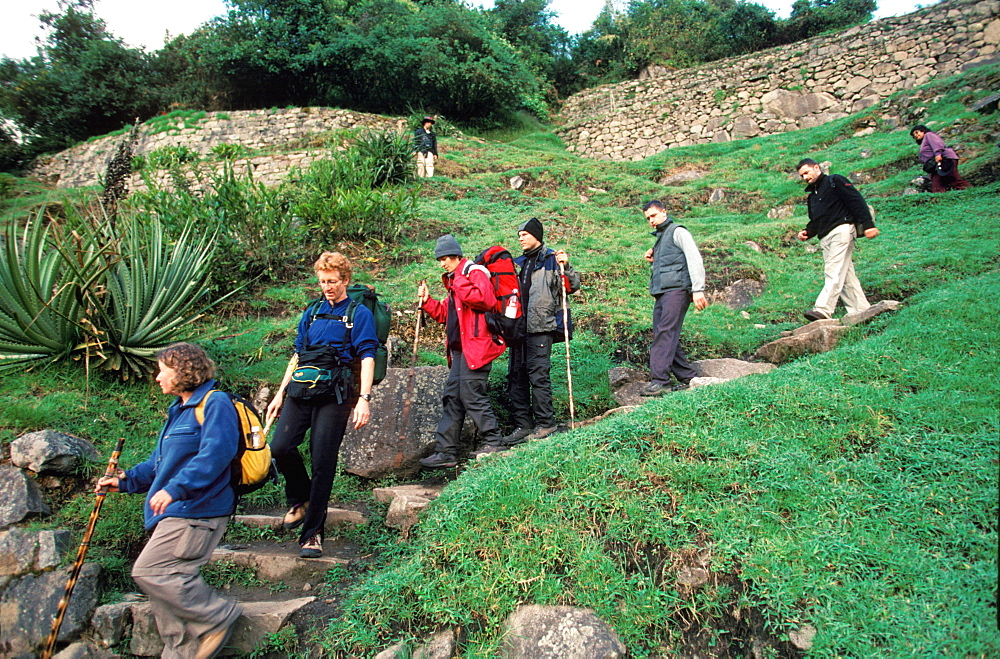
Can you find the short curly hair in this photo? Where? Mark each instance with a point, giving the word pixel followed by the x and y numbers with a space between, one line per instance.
pixel 336 262
pixel 193 365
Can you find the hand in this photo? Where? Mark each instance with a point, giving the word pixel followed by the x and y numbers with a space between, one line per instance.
pixel 109 482
pixel 274 408
pixel 422 292
pixel 362 413
pixel 159 502
pixel 938 157
pixel 562 258
pixel 435 158
pixel 803 236
pixel 649 255
pixel 700 301
pixel 871 233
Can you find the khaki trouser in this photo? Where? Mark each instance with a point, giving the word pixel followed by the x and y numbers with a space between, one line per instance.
pixel 838 273
pixel 425 165
pixel 168 571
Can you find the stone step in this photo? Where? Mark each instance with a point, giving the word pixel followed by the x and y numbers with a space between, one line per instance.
pixel 281 562
pixel 336 518
pixel 259 620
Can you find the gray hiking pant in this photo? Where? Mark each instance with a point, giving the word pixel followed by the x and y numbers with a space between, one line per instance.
pixel 465 392
pixel 168 571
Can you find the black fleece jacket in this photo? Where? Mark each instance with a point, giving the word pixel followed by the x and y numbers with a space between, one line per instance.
pixel 833 200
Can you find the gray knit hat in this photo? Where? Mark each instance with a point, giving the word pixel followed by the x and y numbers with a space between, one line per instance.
pixel 447 246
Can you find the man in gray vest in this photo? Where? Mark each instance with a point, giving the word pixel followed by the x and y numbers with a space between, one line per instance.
pixel 677 279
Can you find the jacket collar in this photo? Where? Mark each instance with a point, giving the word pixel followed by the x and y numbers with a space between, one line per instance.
pixel 197 396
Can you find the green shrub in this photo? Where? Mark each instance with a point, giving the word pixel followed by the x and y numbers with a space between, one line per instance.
pixel 387 155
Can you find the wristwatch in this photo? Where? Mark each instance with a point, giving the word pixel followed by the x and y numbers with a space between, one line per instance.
pixel 367 397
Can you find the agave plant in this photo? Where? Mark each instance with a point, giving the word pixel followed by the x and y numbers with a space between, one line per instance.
pixel 39 307
pixel 109 295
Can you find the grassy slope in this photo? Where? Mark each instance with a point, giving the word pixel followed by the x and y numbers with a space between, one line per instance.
pixel 854 491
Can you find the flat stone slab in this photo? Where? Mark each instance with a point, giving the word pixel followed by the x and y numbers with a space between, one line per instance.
pixel 730 369
pixel 277 564
pixel 387 494
pixel 335 518
pixel 821 339
pixel 875 310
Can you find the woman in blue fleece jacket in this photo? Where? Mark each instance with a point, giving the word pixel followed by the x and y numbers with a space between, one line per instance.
pixel 188 504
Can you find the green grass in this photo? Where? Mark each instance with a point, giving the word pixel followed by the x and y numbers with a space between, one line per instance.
pixel 853 491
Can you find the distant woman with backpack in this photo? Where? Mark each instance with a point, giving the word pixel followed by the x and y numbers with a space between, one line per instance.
pixel 939 160
pixel 330 386
pixel 188 503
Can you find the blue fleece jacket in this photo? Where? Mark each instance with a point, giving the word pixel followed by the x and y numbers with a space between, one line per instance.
pixel 190 462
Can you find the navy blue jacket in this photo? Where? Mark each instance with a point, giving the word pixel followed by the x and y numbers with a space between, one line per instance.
pixel 330 331
pixel 190 461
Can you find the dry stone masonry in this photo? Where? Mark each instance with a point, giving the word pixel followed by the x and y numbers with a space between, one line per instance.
pixel 255 130
pixel 801 85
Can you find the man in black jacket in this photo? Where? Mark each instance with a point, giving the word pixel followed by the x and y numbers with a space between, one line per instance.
pixel 425 146
pixel 836 209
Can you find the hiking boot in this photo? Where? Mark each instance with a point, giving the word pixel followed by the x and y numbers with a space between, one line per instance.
pixel 486 449
pixel 436 460
pixel 654 389
pixel 816 314
pixel 312 548
pixel 213 642
pixel 516 437
pixel 542 431
pixel 295 515
pixel 682 384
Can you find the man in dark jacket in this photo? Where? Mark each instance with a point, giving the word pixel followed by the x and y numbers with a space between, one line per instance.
pixel 426 147
pixel 677 278
pixel 835 208
pixel 541 288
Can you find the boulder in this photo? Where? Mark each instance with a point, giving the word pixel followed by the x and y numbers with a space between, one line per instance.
pixel 19 497
pixel 792 105
pixel 680 178
pixel 388 494
pixel 730 369
pixel 781 212
pixel 559 632
pixel 516 183
pixel 24 551
pixel 81 650
pixel 818 340
pixel 52 452
pixel 869 313
pixel 704 382
pixel 383 447
pixel 28 607
pixel 440 646
pixel 802 638
pixel 816 324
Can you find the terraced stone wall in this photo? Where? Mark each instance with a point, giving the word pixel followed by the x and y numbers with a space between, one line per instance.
pixel 801 85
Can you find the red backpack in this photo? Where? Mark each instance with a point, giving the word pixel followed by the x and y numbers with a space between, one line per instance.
pixel 506 317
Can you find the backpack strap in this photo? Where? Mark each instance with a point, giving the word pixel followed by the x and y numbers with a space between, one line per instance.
pixel 199 409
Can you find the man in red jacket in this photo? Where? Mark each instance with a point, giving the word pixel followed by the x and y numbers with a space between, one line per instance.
pixel 471 351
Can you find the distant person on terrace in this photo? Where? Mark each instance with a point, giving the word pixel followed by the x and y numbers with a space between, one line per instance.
pixel 932 148
pixel 426 147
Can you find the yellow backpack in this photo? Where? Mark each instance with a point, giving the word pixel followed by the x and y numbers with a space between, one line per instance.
pixel 252 467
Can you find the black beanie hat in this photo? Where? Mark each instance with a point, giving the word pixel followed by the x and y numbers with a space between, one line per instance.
pixel 534 227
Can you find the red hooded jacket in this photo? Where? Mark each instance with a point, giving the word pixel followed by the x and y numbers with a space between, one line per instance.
pixel 472 291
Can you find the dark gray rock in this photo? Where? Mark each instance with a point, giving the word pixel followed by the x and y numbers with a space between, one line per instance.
pixel 145 637
pixel 626 383
pixel 383 447
pixel 730 369
pixel 52 452
pixel 681 178
pixel 28 607
pixel 818 340
pixel 559 632
pixel 23 551
pixel 986 105
pixel 875 310
pixel 19 497
pixel 110 623
pixel 740 293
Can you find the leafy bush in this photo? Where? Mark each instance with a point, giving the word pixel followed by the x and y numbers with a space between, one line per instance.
pixel 387 155
pixel 169 156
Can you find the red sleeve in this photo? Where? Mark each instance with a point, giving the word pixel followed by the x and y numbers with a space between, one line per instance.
pixel 436 309
pixel 474 290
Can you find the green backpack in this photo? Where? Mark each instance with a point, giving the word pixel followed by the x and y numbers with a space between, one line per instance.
pixel 366 295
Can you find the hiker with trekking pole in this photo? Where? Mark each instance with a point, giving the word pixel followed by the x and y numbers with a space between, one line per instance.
pixel 189 498
pixel 545 277
pixel 329 386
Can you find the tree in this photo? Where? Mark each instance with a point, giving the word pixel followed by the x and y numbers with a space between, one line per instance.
pixel 812 17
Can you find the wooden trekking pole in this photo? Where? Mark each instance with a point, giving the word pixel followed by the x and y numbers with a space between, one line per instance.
pixel 569 372
pixel 81 553
pixel 412 375
pixel 292 363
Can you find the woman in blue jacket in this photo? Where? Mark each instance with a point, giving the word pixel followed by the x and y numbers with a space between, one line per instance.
pixel 188 504
pixel 331 385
